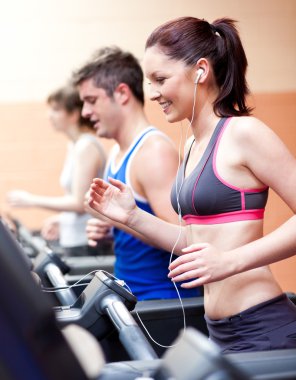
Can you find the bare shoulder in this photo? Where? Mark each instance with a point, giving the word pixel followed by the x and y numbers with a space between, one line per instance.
pixel 258 147
pixel 247 126
pixel 156 160
pixel 250 133
pixel 86 146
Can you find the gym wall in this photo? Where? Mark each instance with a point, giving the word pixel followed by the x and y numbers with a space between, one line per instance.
pixel 45 41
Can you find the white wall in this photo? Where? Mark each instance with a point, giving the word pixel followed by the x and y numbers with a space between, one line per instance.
pixel 42 41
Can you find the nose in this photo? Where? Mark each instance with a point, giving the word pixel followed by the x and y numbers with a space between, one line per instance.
pixel 86 111
pixel 50 115
pixel 154 93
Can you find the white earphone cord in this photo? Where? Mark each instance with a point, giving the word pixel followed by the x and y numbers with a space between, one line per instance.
pixel 180 224
pixel 54 290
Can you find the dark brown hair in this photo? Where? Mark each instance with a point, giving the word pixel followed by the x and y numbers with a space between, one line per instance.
pixel 68 98
pixel 111 66
pixel 189 39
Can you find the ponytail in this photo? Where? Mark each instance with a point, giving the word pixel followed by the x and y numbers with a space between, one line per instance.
pixel 230 68
pixel 189 39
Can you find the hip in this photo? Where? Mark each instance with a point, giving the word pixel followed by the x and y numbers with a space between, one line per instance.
pixel 265 326
pixel 240 292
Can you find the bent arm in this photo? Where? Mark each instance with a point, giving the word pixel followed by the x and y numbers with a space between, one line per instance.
pixel 275 166
pixel 149 229
pixel 152 179
pixel 20 198
pixel 276 246
pixel 158 232
pixel 63 203
pixel 94 232
pixel 87 162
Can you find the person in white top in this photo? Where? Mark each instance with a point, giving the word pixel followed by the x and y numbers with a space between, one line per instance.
pixel 85 160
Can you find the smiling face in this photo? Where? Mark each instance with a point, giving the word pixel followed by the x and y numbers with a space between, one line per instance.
pixel 171 84
pixel 101 109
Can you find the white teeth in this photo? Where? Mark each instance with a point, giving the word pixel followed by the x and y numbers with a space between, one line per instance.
pixel 165 105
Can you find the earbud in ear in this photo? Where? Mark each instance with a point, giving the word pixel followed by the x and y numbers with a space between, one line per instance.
pixel 200 71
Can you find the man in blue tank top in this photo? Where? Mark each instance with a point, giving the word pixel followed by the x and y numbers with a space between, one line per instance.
pixel 111 87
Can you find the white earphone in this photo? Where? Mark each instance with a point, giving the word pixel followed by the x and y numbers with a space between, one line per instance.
pixel 198 75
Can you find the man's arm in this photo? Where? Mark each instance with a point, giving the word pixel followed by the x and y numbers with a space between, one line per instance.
pixel 152 173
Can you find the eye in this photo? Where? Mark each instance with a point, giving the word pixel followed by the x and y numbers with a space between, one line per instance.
pixel 91 100
pixel 160 80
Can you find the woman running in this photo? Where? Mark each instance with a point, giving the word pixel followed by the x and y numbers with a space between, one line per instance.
pixel 197 72
pixel 85 160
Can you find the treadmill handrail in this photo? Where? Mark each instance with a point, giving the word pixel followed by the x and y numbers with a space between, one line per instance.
pixel 57 279
pixel 130 334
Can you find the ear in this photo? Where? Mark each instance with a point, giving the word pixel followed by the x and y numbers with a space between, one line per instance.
pixel 203 65
pixel 122 93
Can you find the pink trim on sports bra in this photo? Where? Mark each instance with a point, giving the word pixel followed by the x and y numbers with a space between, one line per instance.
pixel 235 216
pixel 216 171
pixel 245 201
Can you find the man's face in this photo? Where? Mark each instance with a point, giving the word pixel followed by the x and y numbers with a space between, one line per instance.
pixel 100 108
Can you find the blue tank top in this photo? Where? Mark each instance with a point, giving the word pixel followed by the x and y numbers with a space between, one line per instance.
pixel 142 267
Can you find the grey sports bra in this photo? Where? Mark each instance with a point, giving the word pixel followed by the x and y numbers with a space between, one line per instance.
pixel 205 198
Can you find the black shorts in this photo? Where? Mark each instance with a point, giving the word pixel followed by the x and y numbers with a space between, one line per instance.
pixel 269 325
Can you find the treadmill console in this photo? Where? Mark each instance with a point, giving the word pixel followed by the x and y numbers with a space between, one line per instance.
pixel 89 311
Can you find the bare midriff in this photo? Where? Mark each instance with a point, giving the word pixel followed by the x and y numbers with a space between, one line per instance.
pixel 241 291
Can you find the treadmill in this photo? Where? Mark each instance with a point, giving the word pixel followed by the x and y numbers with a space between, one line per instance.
pixel 32 346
